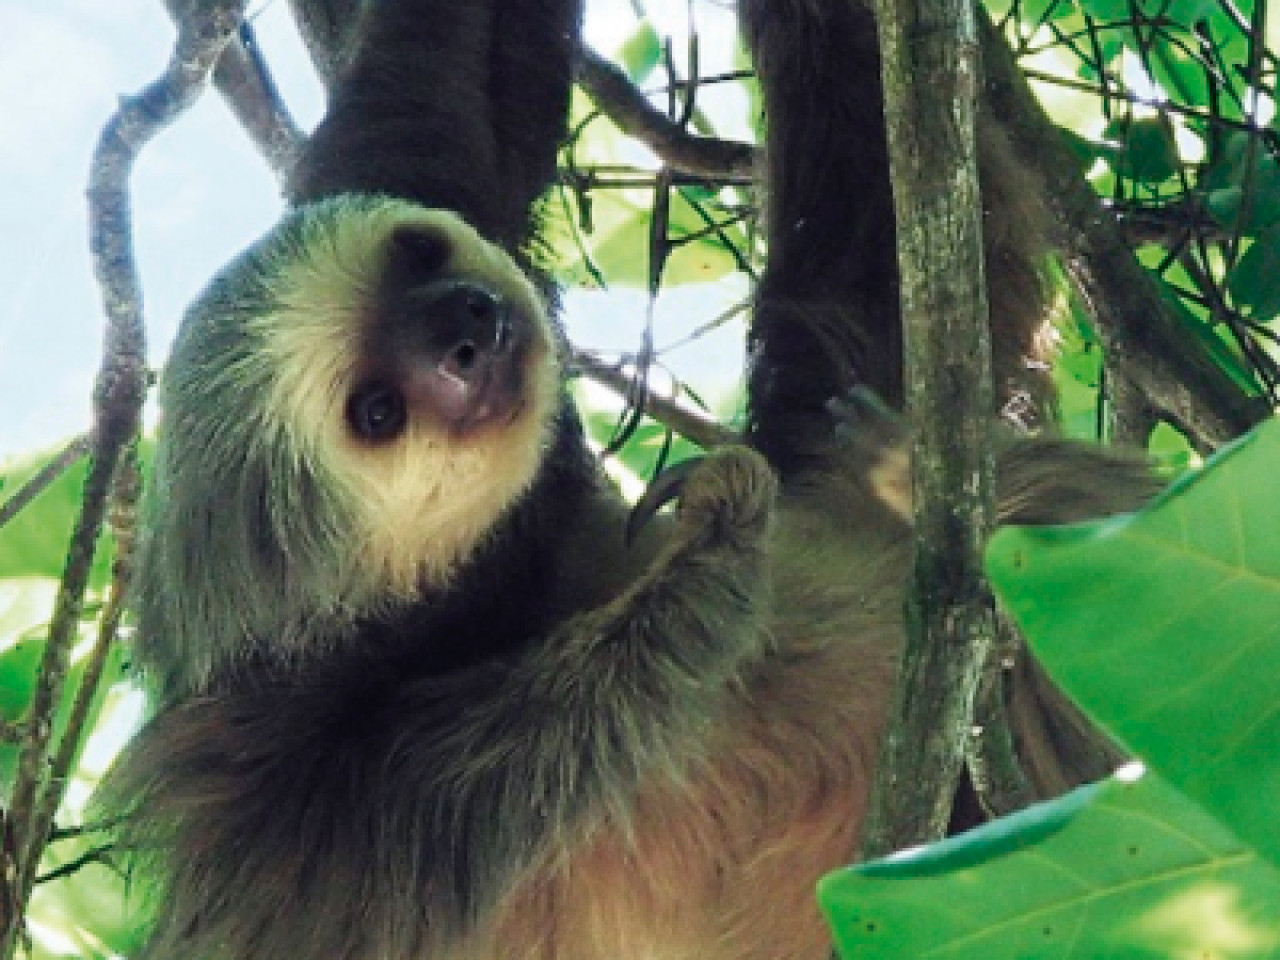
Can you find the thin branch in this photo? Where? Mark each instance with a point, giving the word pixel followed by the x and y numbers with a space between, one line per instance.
pixel 89 857
pixel 615 177
pixel 618 98
pixel 123 522
pixel 244 80
pixel 1209 119
pixel 995 770
pixel 44 478
pixel 245 83
pixel 679 417
pixel 63 834
pixel 1165 223
pixel 118 397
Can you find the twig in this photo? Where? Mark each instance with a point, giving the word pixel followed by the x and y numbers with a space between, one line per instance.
pixel 62 834
pixel 1165 223
pixel 613 92
pixel 691 424
pixel 244 80
pixel 118 398
pixel 995 770
pixel 44 478
pixel 1210 119
pixel 123 523
pixel 96 855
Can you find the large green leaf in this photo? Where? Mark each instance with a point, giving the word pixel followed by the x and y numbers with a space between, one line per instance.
pixel 1165 628
pixel 1125 869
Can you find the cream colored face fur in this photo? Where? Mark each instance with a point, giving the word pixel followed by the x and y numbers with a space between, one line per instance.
pixel 425 500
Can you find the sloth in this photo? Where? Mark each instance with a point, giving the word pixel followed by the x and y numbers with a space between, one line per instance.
pixel 420 696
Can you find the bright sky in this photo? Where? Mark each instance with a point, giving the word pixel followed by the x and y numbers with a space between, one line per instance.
pixel 200 190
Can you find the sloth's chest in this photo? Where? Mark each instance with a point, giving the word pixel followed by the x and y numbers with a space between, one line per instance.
pixel 724 866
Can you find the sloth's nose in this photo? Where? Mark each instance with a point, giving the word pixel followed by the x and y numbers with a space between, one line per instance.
pixel 472 326
pixel 460 343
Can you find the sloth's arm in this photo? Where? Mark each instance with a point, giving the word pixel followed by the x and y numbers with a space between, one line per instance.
pixel 618 695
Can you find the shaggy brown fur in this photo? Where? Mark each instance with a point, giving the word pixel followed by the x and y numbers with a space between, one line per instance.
pixel 826 309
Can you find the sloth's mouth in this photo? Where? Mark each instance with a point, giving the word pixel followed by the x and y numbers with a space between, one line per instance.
pixel 491 394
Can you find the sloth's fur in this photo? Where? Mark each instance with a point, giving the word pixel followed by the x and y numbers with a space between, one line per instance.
pixel 329 529
pixel 418 698
pixel 826 310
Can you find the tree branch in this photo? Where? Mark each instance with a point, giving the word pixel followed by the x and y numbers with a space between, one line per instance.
pixel 243 79
pixel 118 397
pixel 1142 336
pixel 245 83
pixel 930 71
pixel 682 419
pixel 617 97
pixel 44 478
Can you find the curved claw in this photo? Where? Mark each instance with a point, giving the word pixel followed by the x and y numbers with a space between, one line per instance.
pixel 665 487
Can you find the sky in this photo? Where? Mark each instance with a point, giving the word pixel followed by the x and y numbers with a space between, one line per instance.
pixel 201 192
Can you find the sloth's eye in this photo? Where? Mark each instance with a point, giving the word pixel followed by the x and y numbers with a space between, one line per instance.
pixel 377 412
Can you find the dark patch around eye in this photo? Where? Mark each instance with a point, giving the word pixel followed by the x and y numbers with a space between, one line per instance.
pixel 376 411
pixel 419 251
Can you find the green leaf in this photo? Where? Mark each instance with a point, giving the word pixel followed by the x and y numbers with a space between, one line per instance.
pixel 619 247
pixel 91 912
pixel 1106 10
pixel 1165 628
pixel 1147 149
pixel 641 53
pixel 1033 13
pixel 1176 11
pixel 1243 161
pixel 25 605
pixel 34 543
pixel 1254 283
pixel 1123 869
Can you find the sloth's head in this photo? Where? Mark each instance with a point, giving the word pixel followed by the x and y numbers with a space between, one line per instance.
pixel 350 408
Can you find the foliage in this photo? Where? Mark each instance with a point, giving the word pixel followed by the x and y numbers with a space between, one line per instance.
pixel 1172 110
pixel 1165 627
pixel 1125 868
pixel 82 914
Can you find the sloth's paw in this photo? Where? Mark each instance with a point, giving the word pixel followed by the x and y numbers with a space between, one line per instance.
pixel 730 490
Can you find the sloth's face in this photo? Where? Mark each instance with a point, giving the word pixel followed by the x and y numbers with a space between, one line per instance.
pixel 441 348
pixel 409 367
pixel 351 407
